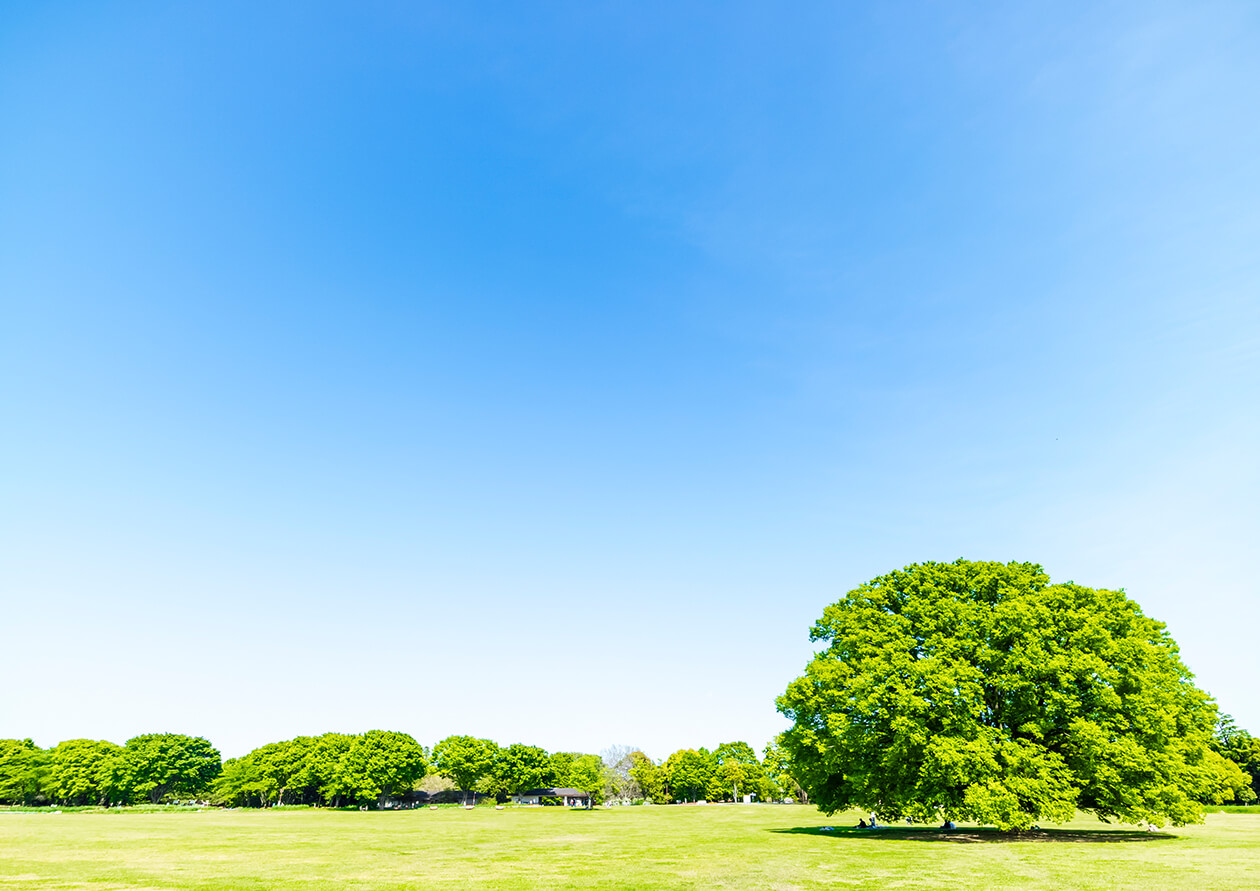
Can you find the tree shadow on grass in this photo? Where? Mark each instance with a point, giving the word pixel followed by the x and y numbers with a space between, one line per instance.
pixel 980 835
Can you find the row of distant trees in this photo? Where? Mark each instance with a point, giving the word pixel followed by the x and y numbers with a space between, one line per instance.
pixel 367 769
pixel 727 773
pixel 154 767
pixel 338 769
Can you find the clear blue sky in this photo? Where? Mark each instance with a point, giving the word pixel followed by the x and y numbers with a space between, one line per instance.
pixel 541 371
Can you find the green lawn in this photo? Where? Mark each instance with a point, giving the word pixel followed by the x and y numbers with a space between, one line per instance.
pixel 752 846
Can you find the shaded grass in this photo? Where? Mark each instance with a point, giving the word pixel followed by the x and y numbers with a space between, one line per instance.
pixel 973 834
pixel 757 846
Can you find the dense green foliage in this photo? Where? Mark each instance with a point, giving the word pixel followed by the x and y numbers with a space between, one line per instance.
pixel 163 765
pixel 980 691
pixel 779 768
pixel 370 769
pixel 649 778
pixel 728 773
pixel 737 770
pixel 480 765
pixel 381 762
pixel 23 771
pixel 517 767
pixel 1242 749
pixel 465 759
pixel 578 771
pixel 334 769
pixel 153 767
pixel 87 771
pixel 688 772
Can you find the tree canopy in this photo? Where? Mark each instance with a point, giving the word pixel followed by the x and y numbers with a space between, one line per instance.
pixel 465 759
pixel 649 778
pixel 518 767
pixel 1243 749
pixel 778 766
pixel 23 770
pixel 688 773
pixel 381 762
pixel 163 764
pixel 375 769
pixel 585 772
pixel 153 766
pixel 334 769
pixel 80 769
pixel 980 691
pixel 738 772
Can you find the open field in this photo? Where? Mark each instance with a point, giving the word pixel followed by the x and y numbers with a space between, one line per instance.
pixel 756 846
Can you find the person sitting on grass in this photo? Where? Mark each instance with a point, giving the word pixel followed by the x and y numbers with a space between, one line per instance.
pixel 861 824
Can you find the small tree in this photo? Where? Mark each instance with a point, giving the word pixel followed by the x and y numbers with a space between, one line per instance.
pixel 74 770
pixel 465 759
pixel 778 766
pixel 23 772
pixel 517 767
pixel 165 764
pixel 649 777
pixel 688 772
pixel 1242 749
pixel 619 783
pixel 738 772
pixel 586 772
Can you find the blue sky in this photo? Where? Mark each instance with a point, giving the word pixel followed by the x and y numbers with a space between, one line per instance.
pixel 447 368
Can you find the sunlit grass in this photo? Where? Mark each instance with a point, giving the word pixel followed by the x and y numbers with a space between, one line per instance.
pixel 756 846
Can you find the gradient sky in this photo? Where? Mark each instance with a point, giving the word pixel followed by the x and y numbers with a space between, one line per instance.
pixel 541 371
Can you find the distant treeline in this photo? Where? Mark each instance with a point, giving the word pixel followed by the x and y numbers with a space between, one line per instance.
pixel 154 767
pixel 370 769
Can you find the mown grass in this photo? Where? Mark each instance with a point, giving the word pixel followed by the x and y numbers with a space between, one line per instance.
pixel 1233 809
pixel 756 846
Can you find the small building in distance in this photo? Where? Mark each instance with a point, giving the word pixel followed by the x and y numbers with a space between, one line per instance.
pixel 568 797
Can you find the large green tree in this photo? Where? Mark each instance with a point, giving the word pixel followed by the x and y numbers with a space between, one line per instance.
pixel 980 691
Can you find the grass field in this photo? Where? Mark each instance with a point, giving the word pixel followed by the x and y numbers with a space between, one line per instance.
pixel 754 846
